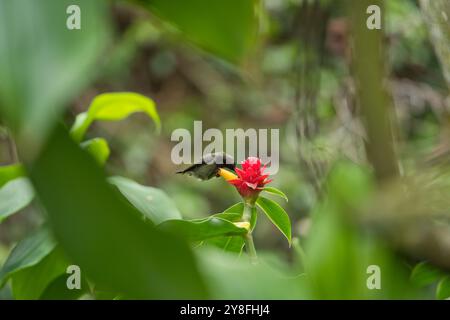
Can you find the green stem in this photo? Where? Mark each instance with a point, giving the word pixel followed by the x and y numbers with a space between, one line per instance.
pixel 249 245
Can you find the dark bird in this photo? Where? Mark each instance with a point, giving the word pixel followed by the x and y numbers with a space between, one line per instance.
pixel 209 168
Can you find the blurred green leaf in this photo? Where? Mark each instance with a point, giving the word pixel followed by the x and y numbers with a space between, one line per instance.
pixel 277 215
pixel 105 236
pixel 425 274
pixel 275 191
pixel 98 148
pixel 227 28
pixel 152 202
pixel 299 255
pixel 337 255
pixel 57 289
pixel 349 184
pixel 231 278
pixel 31 282
pixel 27 253
pixel 106 295
pixel 10 172
pixel 114 107
pixel 233 244
pixel 43 64
pixel 201 230
pixel 14 196
pixel 338 258
pixel 443 288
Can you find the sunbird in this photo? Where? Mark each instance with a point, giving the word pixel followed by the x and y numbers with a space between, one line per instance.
pixel 212 166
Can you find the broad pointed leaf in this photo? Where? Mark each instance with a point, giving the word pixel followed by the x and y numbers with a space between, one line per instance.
pixel 152 202
pixel 227 28
pixel 277 215
pixel 425 274
pixel 443 288
pixel 114 107
pixel 276 192
pixel 98 148
pixel 201 230
pixel 30 283
pixel 27 253
pixel 43 64
pixel 14 196
pixel 105 236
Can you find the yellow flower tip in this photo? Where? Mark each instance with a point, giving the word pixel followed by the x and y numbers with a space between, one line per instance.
pixel 243 224
pixel 227 175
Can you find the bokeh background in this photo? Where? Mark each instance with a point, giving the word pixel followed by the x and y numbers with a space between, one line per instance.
pixel 302 61
pixel 298 78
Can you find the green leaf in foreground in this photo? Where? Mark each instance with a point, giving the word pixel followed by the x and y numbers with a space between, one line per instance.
pixel 201 230
pixel 114 107
pixel 443 288
pixel 233 244
pixel 57 289
pixel 10 172
pixel 14 196
pixel 152 202
pixel 98 148
pixel 104 235
pixel 27 253
pixel 425 274
pixel 30 283
pixel 276 192
pixel 231 278
pixel 226 28
pixel 43 64
pixel 277 215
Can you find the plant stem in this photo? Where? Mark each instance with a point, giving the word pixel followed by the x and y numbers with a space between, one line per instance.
pixel 248 209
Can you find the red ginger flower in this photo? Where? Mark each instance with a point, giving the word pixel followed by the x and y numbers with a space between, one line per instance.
pixel 251 178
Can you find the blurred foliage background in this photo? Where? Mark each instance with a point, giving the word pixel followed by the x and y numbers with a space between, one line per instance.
pixel 297 75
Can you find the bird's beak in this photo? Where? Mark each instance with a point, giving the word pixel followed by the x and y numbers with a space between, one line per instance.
pixel 227 175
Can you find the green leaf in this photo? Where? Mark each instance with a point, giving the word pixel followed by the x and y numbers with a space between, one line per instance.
pixel 336 246
pixel 152 202
pixel 233 244
pixel 31 282
pixel 227 28
pixel 299 256
pixel 443 288
pixel 57 289
pixel 104 235
pixel 276 192
pixel 10 172
pixel 14 196
pixel 201 230
pixel 231 278
pixel 277 215
pixel 114 107
pixel 425 274
pixel 229 216
pixel 27 253
pixel 238 207
pixel 43 64
pixel 98 148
